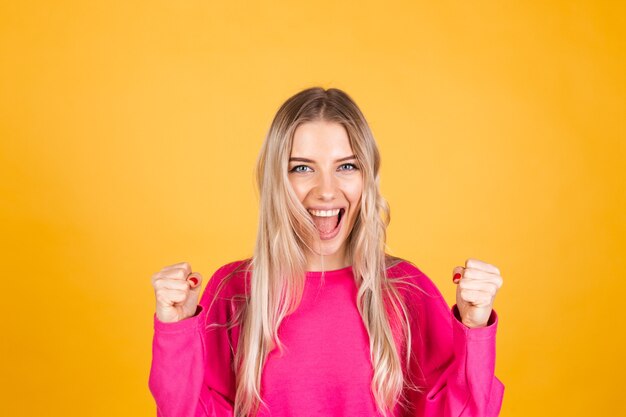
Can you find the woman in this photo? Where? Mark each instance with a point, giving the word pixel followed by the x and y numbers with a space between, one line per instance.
pixel 320 321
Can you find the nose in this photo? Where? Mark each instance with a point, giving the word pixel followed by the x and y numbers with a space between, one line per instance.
pixel 326 188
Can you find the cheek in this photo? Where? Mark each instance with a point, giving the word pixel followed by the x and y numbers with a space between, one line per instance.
pixel 299 188
pixel 353 192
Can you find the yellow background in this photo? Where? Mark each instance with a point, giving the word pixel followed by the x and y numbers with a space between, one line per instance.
pixel 130 131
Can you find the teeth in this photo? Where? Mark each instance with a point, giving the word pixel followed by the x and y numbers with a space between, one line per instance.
pixel 324 213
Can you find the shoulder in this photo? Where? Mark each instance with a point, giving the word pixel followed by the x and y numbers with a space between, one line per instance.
pixel 425 302
pixel 236 267
pixel 229 279
pixel 410 279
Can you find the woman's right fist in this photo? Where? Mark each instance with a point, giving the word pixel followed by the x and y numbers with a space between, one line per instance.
pixel 177 291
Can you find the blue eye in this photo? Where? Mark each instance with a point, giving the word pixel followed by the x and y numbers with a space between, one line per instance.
pixel 300 168
pixel 348 167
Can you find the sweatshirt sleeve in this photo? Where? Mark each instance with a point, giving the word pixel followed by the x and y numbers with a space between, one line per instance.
pixel 191 372
pixel 453 364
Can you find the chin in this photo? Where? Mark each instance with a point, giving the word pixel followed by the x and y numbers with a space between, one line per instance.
pixel 330 247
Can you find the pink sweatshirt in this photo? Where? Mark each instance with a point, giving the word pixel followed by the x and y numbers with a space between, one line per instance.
pixel 326 368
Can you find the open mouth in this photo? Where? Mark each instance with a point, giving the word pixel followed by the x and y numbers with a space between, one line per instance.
pixel 327 222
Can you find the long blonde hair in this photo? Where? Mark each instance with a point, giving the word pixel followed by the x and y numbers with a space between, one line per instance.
pixel 278 264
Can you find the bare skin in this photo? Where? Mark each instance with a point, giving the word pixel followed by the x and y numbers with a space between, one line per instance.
pixel 476 291
pixel 177 291
pixel 325 175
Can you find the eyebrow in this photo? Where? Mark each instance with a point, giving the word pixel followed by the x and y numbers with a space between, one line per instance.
pixel 311 161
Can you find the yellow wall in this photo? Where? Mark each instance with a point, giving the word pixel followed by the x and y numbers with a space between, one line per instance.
pixel 129 132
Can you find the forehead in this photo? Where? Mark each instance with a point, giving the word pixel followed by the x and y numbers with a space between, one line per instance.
pixel 321 139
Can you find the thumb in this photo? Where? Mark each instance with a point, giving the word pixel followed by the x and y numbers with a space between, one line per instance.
pixel 457 274
pixel 194 279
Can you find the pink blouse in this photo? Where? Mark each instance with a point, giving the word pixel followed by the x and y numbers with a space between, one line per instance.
pixel 325 369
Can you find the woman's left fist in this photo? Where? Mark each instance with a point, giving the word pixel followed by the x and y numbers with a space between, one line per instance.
pixel 478 284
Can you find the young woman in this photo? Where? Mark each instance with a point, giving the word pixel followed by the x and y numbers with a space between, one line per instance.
pixel 320 321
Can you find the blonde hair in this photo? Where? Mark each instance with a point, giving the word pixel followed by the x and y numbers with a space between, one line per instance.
pixel 278 265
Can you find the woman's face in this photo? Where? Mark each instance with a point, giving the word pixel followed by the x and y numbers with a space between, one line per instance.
pixel 325 176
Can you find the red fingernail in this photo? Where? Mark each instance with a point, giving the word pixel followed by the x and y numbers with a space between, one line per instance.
pixel 194 280
pixel 456 277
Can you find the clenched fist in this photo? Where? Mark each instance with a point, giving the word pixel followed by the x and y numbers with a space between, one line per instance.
pixel 478 284
pixel 177 291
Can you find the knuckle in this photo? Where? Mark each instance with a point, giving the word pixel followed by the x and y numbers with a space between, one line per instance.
pixel 185 267
pixel 156 276
pixel 173 274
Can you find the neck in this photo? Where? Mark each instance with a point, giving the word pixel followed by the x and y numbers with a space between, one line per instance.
pixel 318 262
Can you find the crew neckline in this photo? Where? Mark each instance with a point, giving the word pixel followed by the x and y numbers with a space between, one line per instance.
pixel 347 270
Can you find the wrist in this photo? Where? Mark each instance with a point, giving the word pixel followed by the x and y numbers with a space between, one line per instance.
pixel 467 323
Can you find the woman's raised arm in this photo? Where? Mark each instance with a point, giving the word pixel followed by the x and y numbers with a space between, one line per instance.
pixel 452 363
pixel 191 373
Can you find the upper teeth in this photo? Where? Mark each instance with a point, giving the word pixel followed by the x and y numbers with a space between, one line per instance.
pixel 324 213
